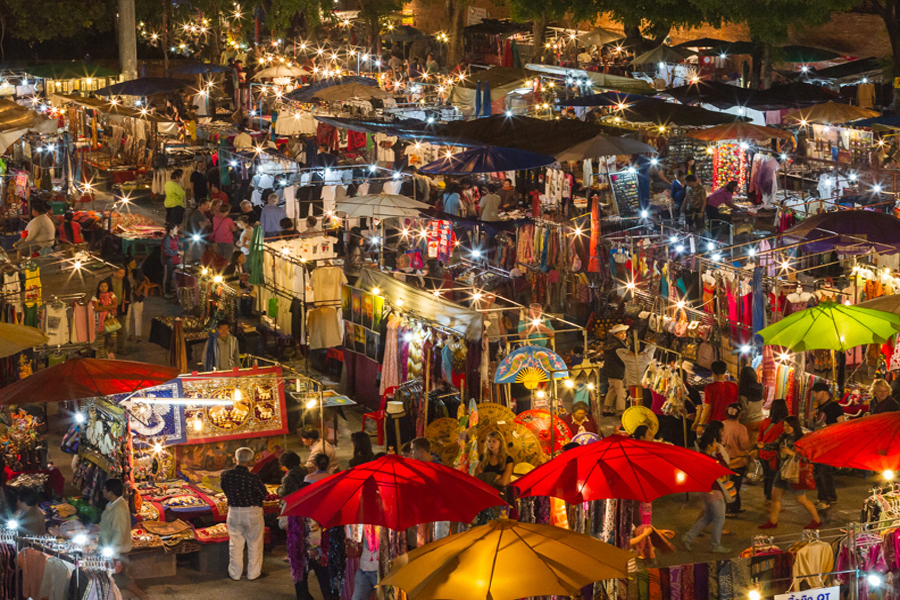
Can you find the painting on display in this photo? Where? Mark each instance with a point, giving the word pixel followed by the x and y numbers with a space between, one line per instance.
pixel 155 423
pixel 104 436
pixel 258 409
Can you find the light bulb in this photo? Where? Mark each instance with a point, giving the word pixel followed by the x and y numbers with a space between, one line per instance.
pixel 311 404
pixel 888 475
pixel 107 552
pixel 12 524
pixel 680 477
pixel 238 394
pixel 376 291
pixel 541 394
pixel 754 595
pixel 79 417
pixel 569 383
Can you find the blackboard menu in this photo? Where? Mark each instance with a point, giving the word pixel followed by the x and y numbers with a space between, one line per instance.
pixel 625 191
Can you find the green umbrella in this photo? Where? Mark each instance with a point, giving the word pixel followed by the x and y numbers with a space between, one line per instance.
pixel 832 326
pixel 256 256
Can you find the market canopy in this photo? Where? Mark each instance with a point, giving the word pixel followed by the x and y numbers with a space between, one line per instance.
pixel 832 326
pixel 70 70
pixel 507 560
pixel 740 47
pixel 829 113
pixel 716 93
pixel 662 54
pixel 487 159
pixel 848 72
pixel 447 314
pixel 600 80
pixel 600 37
pixel 848 232
pixel 662 113
pixel 307 93
pixel 704 42
pixel 145 86
pixel 739 131
pixel 104 106
pixel 524 133
pixel 79 378
pixel 604 145
pixel 883 122
pixel 603 99
pixel 795 94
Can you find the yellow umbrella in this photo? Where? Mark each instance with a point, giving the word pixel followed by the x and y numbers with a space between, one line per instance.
pixel 739 131
pixel 505 560
pixel 830 112
pixel 15 338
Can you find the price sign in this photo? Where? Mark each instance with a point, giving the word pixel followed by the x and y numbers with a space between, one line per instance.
pixel 829 593
pixel 625 191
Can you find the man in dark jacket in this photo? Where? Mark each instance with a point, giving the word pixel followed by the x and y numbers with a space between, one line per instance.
pixel 614 369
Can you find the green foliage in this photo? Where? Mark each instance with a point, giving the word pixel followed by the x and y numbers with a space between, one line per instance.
pixel 41 20
pixel 770 20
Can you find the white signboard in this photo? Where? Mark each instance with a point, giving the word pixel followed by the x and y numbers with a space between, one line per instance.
pixel 829 593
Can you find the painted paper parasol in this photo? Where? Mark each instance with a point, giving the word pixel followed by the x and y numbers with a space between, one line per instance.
pixel 443 434
pixel 537 420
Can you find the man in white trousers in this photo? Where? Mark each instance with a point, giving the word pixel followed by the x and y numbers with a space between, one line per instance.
pixel 245 493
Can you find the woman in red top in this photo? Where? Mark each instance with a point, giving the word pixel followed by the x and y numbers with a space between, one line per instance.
pixel 769 430
pixel 70 230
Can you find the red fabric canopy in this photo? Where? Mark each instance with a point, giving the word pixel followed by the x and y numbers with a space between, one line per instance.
pixel 870 443
pixel 393 492
pixel 85 378
pixel 623 468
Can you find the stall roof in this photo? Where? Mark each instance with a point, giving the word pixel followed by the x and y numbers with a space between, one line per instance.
pixel 886 121
pixel 674 114
pixel 604 99
pixel 600 80
pixel 498 77
pixel 307 92
pixel 720 95
pixel 446 314
pixel 105 107
pixel 523 133
pixel 70 70
pixel 853 70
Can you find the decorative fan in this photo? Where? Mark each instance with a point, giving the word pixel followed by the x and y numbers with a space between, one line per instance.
pixel 531 377
pixel 636 416
pixel 538 422
pixel 585 437
pixel 530 365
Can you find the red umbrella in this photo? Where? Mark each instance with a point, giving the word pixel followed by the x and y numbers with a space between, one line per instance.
pixel 870 443
pixel 393 492
pixel 620 467
pixel 85 378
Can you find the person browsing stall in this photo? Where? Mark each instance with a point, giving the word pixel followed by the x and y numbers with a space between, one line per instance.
pixel 311 439
pixel 115 533
pixel 271 217
pixel 245 493
pixel 614 370
pixel 229 356
pixel 39 234
pixel 827 412
pixel 718 395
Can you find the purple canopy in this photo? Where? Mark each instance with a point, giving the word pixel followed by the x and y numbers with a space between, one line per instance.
pixel 848 232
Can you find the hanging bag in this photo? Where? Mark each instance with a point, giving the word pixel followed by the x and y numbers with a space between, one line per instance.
pixel 790 469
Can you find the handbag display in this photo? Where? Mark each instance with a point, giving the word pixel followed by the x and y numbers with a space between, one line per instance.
pixel 111 324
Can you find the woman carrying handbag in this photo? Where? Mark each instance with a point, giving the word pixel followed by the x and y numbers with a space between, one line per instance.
pixel 794 474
